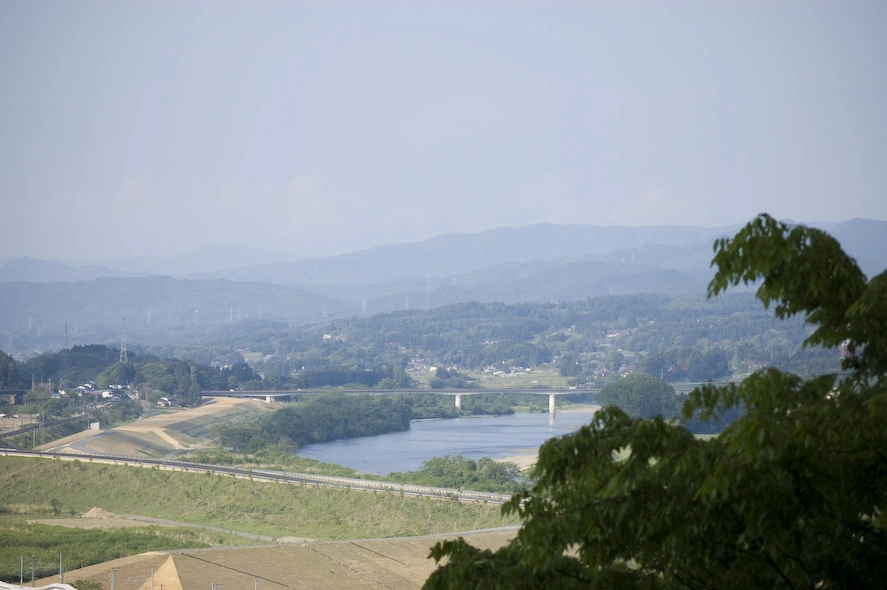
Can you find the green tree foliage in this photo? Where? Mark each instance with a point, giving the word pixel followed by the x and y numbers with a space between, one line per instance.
pixel 116 374
pixel 83 363
pixel 8 372
pixel 335 376
pixel 791 495
pixel 450 379
pixel 117 413
pixel 320 418
pixel 492 404
pixel 462 473
pixel 641 396
pixel 53 408
pixel 689 364
pixel 615 359
pixel 569 365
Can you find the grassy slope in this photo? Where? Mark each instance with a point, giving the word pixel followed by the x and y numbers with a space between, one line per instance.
pixel 265 508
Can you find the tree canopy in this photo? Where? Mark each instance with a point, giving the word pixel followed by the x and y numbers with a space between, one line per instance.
pixel 8 371
pixel 641 395
pixel 790 495
pixel 464 473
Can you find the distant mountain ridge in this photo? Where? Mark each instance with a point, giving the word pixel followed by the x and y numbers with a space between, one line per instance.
pixel 451 254
pixel 35 270
pixel 209 295
pixel 456 254
pixel 207 259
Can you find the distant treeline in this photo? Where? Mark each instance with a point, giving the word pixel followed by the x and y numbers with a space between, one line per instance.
pixel 462 473
pixel 676 339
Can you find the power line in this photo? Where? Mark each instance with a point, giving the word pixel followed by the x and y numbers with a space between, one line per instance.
pixel 123 357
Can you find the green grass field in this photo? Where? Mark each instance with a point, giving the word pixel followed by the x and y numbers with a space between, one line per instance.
pixel 545 378
pixel 272 509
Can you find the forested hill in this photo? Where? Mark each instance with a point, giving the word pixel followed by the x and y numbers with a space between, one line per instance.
pixel 585 342
pixel 677 338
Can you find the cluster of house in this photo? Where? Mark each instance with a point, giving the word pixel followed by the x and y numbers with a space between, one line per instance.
pixel 87 391
pixel 504 371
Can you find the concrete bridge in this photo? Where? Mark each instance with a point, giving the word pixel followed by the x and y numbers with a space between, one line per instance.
pixel 456 393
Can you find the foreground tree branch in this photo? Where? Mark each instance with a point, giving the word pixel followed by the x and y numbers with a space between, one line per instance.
pixel 790 495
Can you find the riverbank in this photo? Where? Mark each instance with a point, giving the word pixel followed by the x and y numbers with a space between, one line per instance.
pixel 473 437
pixel 524 460
pixel 527 458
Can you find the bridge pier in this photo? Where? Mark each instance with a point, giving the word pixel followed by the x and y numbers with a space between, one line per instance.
pixel 268 399
pixel 551 404
pixel 458 401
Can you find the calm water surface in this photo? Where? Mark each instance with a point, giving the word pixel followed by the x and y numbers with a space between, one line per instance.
pixel 485 436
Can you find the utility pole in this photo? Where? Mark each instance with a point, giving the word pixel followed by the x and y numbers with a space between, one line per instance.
pixel 123 358
pixel 61 571
pixel 64 376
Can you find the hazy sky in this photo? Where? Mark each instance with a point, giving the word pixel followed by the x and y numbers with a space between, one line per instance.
pixel 319 128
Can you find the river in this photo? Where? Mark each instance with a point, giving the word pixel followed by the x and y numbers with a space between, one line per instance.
pixel 475 437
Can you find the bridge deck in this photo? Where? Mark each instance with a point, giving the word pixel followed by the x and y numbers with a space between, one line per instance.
pixel 266 393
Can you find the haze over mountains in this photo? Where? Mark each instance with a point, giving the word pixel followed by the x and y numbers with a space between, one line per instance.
pixel 216 291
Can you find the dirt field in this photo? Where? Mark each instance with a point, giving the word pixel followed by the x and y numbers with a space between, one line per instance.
pixel 162 434
pixel 376 563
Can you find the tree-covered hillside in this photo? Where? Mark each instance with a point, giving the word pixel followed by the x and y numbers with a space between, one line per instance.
pixel 677 339
pixel 587 342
